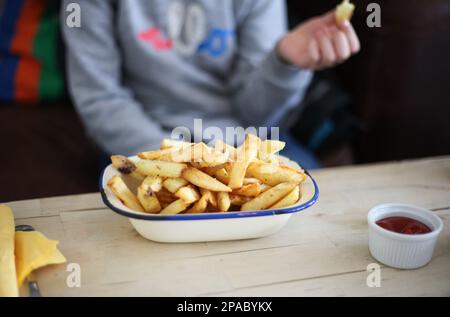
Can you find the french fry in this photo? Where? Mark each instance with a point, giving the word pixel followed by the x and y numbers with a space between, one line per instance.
pixel 210 196
pixel 174 184
pixel 167 143
pixel 200 206
pixel 211 170
pixel 188 193
pixel 223 201
pixel 121 190
pixel 344 11
pixel 125 166
pixel 275 174
pixel 238 200
pixel 178 206
pixel 146 194
pixel 212 157
pixel 155 155
pixel 249 190
pixel 222 175
pixel 148 200
pixel 203 180
pixel 160 168
pixel 250 180
pixel 269 197
pixel 223 147
pixel 289 200
pixel 152 183
pixel 198 153
pixel 269 147
pixel 246 154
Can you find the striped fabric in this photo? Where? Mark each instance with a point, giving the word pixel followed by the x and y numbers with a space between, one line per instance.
pixel 29 68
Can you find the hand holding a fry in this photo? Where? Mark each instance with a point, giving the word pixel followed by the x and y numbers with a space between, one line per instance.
pixel 321 42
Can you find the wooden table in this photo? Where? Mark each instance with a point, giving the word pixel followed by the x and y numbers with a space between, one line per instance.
pixel 323 251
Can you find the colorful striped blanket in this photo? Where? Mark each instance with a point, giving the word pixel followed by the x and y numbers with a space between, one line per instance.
pixel 30 68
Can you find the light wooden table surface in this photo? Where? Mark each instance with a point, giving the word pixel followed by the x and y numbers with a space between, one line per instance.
pixel 323 251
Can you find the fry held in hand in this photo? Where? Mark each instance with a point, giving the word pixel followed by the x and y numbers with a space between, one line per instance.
pixel 344 11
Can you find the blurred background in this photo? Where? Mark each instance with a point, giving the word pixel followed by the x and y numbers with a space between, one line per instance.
pixel 390 102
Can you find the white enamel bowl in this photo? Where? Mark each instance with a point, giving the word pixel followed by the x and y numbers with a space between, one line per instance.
pixel 185 228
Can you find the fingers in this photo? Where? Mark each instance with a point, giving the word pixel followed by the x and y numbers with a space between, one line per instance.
pixel 326 49
pixel 352 38
pixel 336 44
pixel 341 45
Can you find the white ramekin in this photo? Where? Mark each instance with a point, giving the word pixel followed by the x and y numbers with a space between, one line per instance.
pixel 398 250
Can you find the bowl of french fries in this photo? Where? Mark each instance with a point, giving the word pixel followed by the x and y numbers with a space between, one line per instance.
pixel 192 192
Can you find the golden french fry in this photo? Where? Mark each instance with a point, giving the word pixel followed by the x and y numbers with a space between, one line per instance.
pixel 178 206
pixel 160 168
pixel 199 153
pixel 174 184
pixel 146 194
pixel 211 170
pixel 223 147
pixel 212 157
pixel 167 143
pixel 272 175
pixel 249 190
pixel 269 147
pixel 203 180
pixel 238 200
pixel 200 206
pixel 344 11
pixel 153 183
pixel 121 190
pixel 269 197
pixel 288 200
pixel 210 196
pixel 247 153
pixel 223 201
pixel 148 200
pixel 125 166
pixel 222 175
pixel 250 180
pixel 188 193
pixel 155 155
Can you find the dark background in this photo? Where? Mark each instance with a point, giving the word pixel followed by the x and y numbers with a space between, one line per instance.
pixel 389 102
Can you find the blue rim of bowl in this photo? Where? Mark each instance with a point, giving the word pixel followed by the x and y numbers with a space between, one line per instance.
pixel 209 216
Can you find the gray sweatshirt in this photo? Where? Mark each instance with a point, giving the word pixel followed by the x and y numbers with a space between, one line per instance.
pixel 139 68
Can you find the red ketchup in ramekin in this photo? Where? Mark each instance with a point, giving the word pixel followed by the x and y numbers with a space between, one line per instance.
pixel 403 225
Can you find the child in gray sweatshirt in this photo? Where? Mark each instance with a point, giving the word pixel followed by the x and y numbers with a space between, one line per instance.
pixel 139 68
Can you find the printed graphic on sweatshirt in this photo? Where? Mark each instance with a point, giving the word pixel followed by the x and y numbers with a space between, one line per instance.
pixel 187 33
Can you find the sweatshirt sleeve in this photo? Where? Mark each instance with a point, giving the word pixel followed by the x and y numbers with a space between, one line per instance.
pixel 113 118
pixel 263 87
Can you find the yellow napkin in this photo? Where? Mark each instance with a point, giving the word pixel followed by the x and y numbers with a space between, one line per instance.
pixel 34 250
pixel 21 253
pixel 8 281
